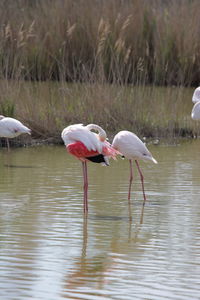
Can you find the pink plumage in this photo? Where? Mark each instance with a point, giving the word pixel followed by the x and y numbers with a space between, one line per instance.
pixel 86 145
pixel 80 151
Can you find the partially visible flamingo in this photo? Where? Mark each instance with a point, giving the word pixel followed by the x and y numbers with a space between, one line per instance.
pixel 87 145
pixel 196 111
pixel 196 108
pixel 196 95
pixel 132 148
pixel 10 128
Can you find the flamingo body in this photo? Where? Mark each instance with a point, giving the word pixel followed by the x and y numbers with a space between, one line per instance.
pixel 196 111
pixel 79 133
pixel 83 143
pixel 80 151
pixel 196 95
pixel 10 127
pixel 196 108
pixel 132 148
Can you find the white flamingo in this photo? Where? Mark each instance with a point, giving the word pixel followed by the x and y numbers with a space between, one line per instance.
pixel 196 111
pixel 196 95
pixel 196 108
pixel 132 148
pixel 86 146
pixel 10 128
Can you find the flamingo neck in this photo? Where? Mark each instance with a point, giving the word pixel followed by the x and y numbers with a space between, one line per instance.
pixel 101 133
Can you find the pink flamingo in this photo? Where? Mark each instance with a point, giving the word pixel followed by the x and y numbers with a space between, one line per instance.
pixel 87 145
pixel 132 148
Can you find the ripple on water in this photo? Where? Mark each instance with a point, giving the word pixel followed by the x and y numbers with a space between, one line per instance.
pixel 49 251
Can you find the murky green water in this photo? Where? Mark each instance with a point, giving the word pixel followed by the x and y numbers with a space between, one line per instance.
pixel 49 251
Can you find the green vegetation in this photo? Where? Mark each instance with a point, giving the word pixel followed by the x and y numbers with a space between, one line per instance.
pixel 48 107
pixel 119 63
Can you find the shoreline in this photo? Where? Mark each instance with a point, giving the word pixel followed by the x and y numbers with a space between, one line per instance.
pixel 56 141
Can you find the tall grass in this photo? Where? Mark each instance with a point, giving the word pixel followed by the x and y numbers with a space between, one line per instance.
pixel 103 61
pixel 153 112
pixel 118 41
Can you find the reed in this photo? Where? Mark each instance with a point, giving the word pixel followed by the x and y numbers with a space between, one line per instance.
pixel 121 64
pixel 150 111
pixel 133 41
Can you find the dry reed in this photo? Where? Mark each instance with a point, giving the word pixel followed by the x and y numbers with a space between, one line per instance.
pixel 132 41
pixel 109 45
pixel 47 107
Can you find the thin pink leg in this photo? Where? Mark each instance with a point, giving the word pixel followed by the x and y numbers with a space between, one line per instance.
pixel 130 179
pixel 142 181
pixel 83 165
pixel 129 190
pixel 85 186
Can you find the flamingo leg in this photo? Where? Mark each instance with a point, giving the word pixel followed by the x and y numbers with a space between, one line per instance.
pixel 8 144
pixel 85 187
pixel 142 181
pixel 85 238
pixel 130 180
pixel 83 166
pixel 129 190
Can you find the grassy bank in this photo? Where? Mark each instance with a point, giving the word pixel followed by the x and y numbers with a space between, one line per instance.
pixel 48 107
pixel 122 64
pixel 115 41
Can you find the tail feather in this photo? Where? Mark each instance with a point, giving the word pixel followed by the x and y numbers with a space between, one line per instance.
pixel 109 151
pixel 100 158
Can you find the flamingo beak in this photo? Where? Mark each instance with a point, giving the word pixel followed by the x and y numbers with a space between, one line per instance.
pixel 153 160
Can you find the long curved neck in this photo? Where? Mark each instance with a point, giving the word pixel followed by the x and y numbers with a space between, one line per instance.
pixel 97 128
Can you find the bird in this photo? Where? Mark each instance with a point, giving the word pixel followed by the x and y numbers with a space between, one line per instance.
pixel 196 95
pixel 10 128
pixel 86 145
pixel 196 111
pixel 132 148
pixel 195 115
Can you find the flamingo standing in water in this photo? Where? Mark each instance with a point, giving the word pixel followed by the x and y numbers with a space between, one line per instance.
pixel 87 145
pixel 196 108
pixel 10 128
pixel 132 148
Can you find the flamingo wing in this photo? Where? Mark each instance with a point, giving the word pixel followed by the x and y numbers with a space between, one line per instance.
pixel 79 133
pixel 79 150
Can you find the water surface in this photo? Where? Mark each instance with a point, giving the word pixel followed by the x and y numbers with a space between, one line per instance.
pixel 48 250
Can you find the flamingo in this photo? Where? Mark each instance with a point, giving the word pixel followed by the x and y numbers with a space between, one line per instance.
pixel 196 95
pixel 87 145
pixel 132 148
pixel 196 111
pixel 10 128
pixel 196 108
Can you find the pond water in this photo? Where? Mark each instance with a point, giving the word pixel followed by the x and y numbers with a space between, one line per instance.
pixel 48 250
